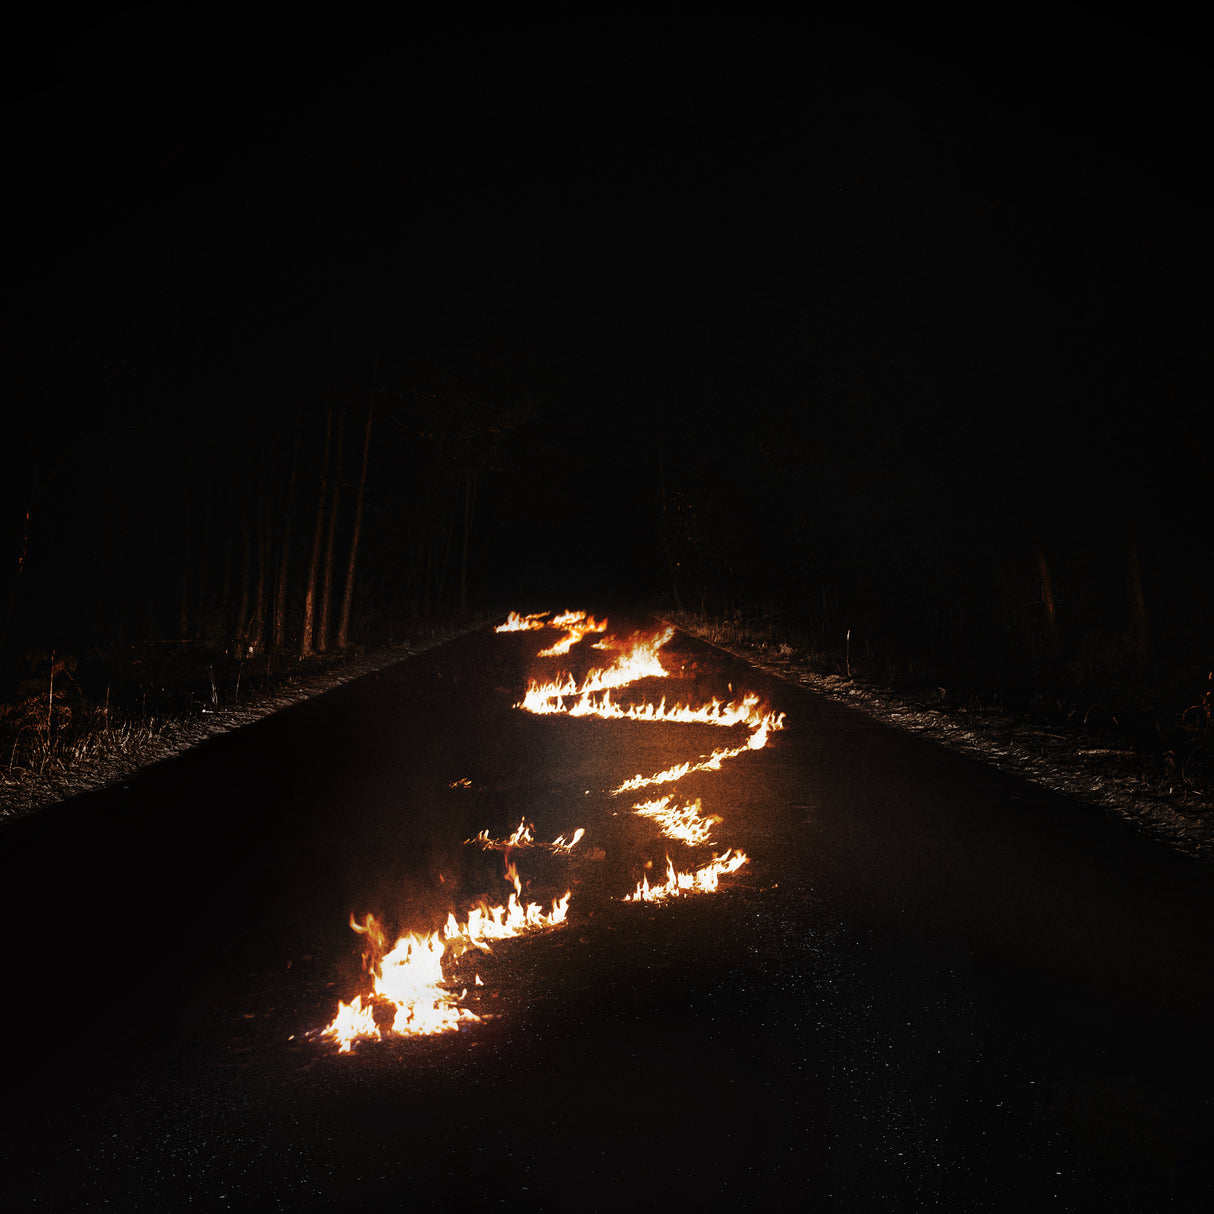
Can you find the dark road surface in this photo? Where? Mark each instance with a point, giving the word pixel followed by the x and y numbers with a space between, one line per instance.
pixel 932 987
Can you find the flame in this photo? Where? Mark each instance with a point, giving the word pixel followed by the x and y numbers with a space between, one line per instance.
pixel 577 624
pixel 411 981
pixel 407 983
pixel 522 623
pixel 523 837
pixel 685 823
pixel 561 844
pixel 712 762
pixel 701 880
pixel 488 923
pixel 638 660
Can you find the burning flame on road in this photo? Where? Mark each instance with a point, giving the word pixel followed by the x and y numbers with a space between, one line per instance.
pixel 522 623
pixel 412 981
pixel 410 995
pixel 576 624
pixel 701 880
pixel 524 837
pixel 685 823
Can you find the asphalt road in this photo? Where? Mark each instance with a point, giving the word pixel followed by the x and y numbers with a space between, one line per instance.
pixel 933 986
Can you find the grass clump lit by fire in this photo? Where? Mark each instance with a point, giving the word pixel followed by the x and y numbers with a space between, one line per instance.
pixel 55 741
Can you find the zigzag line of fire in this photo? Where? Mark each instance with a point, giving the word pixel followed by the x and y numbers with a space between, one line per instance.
pixel 410 981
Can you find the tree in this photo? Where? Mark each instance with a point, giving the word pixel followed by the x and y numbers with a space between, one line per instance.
pixel 343 627
pixel 326 581
pixel 282 586
pixel 318 533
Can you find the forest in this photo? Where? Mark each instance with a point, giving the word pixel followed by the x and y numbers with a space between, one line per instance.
pixel 892 349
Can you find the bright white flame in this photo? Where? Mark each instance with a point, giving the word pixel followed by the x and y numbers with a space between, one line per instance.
pixel 685 823
pixel 703 880
pixel 408 984
pixel 522 623
pixel 524 837
pixel 409 981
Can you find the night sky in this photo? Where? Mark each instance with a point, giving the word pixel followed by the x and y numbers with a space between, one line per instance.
pixel 880 305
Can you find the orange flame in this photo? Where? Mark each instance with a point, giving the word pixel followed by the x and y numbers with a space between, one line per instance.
pixel 702 880
pixel 577 624
pixel 684 823
pixel 522 623
pixel 523 837
pixel 410 982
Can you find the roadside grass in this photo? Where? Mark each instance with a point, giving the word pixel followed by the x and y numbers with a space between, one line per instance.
pixel 1142 747
pixel 72 728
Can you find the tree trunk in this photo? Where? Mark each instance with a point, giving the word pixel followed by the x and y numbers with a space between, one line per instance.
pixel 1140 621
pixel 1053 632
pixel 183 589
pixel 326 580
pixel 280 592
pixel 343 627
pixel 242 611
pixel 469 506
pixel 318 533
pixel 257 624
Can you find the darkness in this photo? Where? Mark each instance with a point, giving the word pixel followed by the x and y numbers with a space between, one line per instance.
pixel 870 322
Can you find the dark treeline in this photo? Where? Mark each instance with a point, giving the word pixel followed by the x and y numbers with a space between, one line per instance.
pixel 246 531
pixel 1017 502
pixel 907 348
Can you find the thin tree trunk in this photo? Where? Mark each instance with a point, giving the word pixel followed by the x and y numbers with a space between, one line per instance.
pixel 428 566
pixel 318 533
pixel 469 506
pixel 257 623
pixel 246 562
pixel 1140 621
pixel 343 627
pixel 183 596
pixel 280 593
pixel 1052 630
pixel 326 580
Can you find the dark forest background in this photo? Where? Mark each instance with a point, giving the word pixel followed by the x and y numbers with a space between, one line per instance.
pixel 892 337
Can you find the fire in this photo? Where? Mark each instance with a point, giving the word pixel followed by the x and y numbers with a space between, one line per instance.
pixel 639 660
pixel 524 837
pixel 577 624
pixel 702 880
pixel 685 823
pixel 412 982
pixel 408 984
pixel 522 623
pixel 712 762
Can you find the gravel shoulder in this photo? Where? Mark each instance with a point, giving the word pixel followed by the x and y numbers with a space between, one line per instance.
pixel 1104 773
pixel 27 792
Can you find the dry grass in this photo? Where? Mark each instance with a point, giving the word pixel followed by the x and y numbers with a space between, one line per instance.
pixel 1168 793
pixel 48 755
